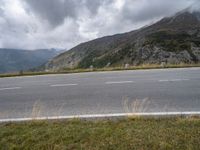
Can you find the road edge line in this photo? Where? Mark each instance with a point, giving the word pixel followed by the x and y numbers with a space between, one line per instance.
pixel 96 116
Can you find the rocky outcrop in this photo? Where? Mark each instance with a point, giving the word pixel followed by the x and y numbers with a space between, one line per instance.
pixel 157 55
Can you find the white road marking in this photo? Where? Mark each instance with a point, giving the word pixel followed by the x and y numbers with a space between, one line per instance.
pixel 119 82
pixel 62 85
pixel 173 80
pixel 10 88
pixel 163 80
pixel 89 116
pixel 195 68
pixel 180 80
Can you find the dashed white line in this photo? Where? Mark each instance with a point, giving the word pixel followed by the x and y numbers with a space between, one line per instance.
pixel 180 80
pixel 119 82
pixel 173 80
pixel 62 85
pixel 10 88
pixel 163 80
pixel 194 68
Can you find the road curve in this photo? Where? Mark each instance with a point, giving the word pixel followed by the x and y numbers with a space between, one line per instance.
pixel 157 90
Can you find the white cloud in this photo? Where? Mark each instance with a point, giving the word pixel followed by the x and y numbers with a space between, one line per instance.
pixel 31 24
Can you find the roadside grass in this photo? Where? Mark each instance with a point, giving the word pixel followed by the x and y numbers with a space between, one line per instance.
pixel 136 133
pixel 79 70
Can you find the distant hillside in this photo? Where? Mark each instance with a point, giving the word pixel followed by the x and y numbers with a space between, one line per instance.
pixel 12 60
pixel 172 40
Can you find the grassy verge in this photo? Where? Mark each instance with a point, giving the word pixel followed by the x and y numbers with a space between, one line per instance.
pixel 144 134
pixel 67 71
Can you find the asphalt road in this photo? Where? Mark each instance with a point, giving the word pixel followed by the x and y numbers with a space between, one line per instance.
pixel 164 90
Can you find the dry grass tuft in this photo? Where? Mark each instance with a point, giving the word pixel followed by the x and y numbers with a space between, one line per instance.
pixel 36 110
pixel 136 106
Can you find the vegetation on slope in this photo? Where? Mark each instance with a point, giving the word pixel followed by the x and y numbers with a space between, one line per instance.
pixel 109 58
pixel 170 41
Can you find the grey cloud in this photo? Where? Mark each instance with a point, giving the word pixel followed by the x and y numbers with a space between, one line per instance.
pixel 93 5
pixel 55 11
pixel 195 6
pixel 35 24
pixel 150 9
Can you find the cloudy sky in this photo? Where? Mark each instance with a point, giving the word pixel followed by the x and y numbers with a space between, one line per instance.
pixel 33 24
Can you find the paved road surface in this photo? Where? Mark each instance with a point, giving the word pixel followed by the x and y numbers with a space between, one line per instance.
pixel 98 93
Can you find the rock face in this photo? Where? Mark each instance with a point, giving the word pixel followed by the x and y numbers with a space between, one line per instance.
pixel 156 55
pixel 172 40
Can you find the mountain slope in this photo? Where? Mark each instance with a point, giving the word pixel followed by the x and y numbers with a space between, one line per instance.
pixel 12 60
pixel 172 40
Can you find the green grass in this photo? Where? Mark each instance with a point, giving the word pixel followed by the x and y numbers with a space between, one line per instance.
pixel 138 134
pixel 77 70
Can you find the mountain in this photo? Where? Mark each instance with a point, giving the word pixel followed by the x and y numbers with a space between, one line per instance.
pixel 12 60
pixel 172 40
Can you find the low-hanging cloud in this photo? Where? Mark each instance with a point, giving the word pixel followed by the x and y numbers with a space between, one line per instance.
pixel 32 24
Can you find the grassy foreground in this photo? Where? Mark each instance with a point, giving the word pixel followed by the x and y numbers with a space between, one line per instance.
pixel 138 134
pixel 79 70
